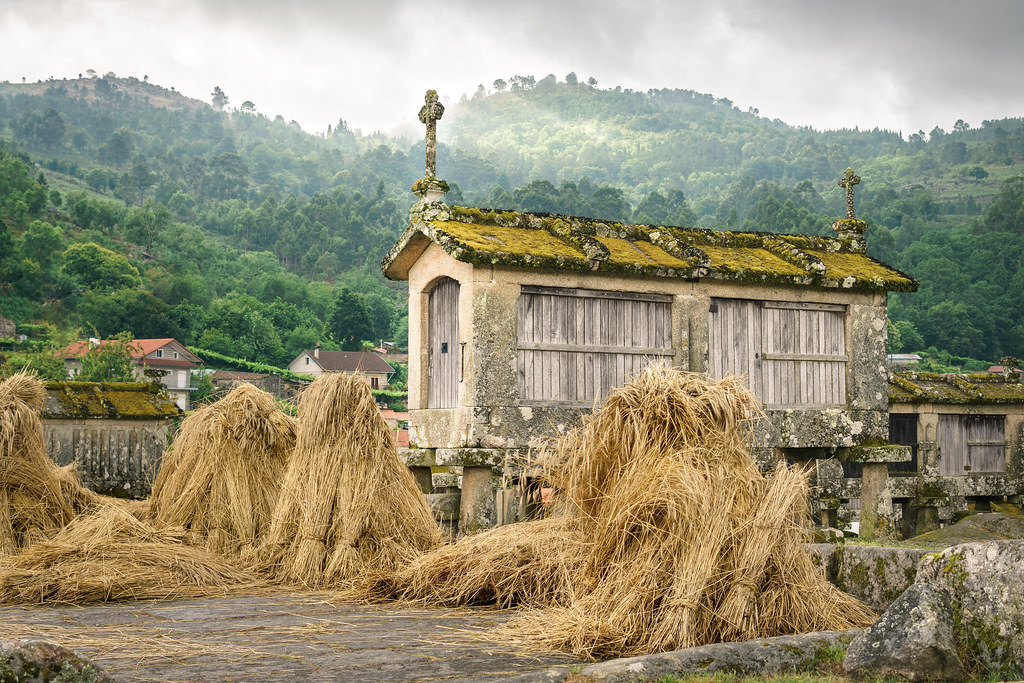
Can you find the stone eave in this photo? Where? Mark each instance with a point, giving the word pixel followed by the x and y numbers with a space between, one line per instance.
pixel 579 244
pixel 953 389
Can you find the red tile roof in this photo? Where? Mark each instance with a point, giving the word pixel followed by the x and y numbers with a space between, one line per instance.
pixel 140 349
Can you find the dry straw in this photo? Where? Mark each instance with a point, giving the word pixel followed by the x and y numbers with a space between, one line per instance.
pixel 671 537
pixel 37 498
pixel 110 555
pixel 348 505
pixel 221 478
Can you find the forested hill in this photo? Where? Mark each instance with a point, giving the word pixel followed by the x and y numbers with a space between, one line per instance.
pixel 245 235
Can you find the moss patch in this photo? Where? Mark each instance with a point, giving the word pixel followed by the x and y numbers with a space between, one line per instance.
pixel 120 400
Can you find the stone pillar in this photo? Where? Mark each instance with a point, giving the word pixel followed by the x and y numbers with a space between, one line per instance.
pixel 421 475
pixel 476 508
pixel 875 501
pixel 876 474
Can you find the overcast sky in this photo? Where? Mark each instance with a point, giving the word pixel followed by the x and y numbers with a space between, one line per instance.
pixel 897 64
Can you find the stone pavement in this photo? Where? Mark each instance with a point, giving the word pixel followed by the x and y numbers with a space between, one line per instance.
pixel 278 637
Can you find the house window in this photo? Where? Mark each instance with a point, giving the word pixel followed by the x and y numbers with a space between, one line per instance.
pixel 375 383
pixel 175 355
pixel 793 354
pixel 307 360
pixel 576 345
pixel 159 353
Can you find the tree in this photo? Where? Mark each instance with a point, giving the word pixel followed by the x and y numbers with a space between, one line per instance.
pixel 109 361
pixel 570 78
pixel 248 107
pixel 96 267
pixel 1006 212
pixel 351 321
pixel 220 100
pixel 42 242
pixel 46 365
pixel 145 222
pixel 500 84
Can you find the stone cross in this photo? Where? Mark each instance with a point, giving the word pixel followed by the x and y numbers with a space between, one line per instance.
pixel 430 114
pixel 848 181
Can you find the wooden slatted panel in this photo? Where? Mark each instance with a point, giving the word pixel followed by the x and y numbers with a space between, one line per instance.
pixel 803 357
pixel 575 346
pixel 792 353
pixel 952 438
pixel 986 443
pixel 443 348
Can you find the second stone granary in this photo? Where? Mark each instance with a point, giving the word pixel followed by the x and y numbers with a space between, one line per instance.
pixel 520 322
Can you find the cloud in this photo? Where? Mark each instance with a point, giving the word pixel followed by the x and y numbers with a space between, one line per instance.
pixel 902 65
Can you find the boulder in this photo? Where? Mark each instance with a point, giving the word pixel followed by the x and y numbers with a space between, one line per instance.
pixel 985 582
pixel 42 660
pixel 913 640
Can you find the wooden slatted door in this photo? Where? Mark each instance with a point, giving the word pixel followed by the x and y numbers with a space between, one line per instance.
pixel 793 354
pixel 443 348
pixel 576 345
pixel 734 341
pixel 971 444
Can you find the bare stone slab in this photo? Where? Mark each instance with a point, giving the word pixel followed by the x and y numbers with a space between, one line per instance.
pixel 278 637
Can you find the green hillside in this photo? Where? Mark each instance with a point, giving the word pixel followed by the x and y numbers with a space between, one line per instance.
pixel 126 206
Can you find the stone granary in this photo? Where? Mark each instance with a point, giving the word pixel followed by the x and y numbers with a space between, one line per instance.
pixel 967 436
pixel 116 432
pixel 520 322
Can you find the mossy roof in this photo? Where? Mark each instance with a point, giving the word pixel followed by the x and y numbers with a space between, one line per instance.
pixel 550 241
pixel 112 400
pixel 927 387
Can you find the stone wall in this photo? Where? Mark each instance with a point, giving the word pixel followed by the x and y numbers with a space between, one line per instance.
pixel 114 457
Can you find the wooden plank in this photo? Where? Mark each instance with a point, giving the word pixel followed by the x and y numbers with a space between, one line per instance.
pixel 806 357
pixel 595 293
pixel 587 348
pixel 802 306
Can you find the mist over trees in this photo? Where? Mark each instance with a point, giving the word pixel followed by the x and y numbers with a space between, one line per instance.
pixel 126 207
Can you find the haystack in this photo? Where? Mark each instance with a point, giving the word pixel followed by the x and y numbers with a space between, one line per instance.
pixel 672 537
pixel 37 498
pixel 110 555
pixel 530 563
pixel 221 478
pixel 348 504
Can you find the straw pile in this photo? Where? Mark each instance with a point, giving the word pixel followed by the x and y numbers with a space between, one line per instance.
pixel 672 538
pixel 221 477
pixel 37 498
pixel 111 555
pixel 348 504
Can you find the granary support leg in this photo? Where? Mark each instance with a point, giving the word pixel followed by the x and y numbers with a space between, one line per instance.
pixel 873 483
pixel 875 503
pixel 476 509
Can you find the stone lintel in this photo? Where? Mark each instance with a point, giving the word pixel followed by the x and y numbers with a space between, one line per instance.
pixel 474 457
pixel 890 453
pixel 418 457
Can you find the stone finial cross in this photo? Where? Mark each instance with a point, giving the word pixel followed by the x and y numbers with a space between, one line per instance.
pixel 430 114
pixel 848 181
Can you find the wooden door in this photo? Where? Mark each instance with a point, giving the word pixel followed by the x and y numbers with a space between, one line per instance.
pixel 734 340
pixel 443 350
